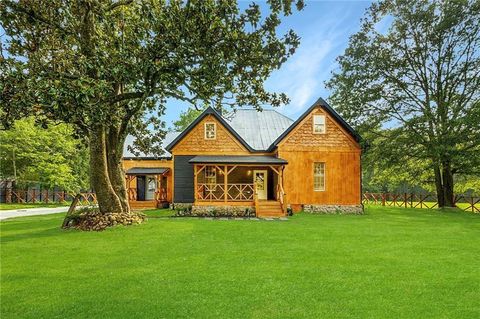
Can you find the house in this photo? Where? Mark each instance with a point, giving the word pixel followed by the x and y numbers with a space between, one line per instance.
pixel 253 160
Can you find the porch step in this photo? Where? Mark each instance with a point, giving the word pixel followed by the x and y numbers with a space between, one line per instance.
pixel 269 209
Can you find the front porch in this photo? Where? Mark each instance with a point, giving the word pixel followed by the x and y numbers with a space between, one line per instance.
pixel 232 181
pixel 147 187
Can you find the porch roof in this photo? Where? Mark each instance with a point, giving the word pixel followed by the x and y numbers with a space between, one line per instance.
pixel 239 159
pixel 146 171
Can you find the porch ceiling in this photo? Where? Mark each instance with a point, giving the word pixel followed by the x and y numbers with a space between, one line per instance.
pixel 232 159
pixel 146 171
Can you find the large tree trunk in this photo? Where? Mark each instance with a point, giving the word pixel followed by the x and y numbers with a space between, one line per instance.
pixel 444 185
pixel 447 177
pixel 115 143
pixel 439 185
pixel 108 201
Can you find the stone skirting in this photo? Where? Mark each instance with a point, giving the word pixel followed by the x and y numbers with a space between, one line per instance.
pixel 214 211
pixel 333 209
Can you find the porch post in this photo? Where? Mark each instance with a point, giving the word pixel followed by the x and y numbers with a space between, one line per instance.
pixel 225 182
pixel 195 183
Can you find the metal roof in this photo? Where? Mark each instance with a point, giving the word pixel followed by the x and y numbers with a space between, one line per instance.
pixel 146 170
pixel 221 159
pixel 169 137
pixel 259 128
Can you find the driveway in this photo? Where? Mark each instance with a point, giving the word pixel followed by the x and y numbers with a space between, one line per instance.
pixel 4 214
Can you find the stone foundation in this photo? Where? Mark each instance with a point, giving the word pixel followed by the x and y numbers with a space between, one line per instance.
pixel 217 211
pixel 333 209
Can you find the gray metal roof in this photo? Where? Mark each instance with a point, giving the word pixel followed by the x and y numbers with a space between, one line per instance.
pixel 258 129
pixel 146 170
pixel 233 159
pixel 170 136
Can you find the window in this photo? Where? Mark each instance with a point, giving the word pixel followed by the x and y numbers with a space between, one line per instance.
pixel 210 131
pixel 319 124
pixel 210 175
pixel 319 177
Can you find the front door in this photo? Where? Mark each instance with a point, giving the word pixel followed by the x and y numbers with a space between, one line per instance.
pixel 260 181
pixel 141 187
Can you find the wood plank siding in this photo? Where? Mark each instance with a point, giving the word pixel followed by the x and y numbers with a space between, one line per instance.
pixel 336 148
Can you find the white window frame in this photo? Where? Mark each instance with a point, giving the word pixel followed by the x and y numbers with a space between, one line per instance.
pixel 319 116
pixel 317 185
pixel 210 175
pixel 214 130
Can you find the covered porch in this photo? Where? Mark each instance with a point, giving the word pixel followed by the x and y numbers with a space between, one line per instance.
pixel 147 187
pixel 255 181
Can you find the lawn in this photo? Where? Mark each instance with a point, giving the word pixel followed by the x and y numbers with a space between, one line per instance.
pixel 5 206
pixel 389 263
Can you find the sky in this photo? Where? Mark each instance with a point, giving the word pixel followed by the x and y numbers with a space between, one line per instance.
pixel 324 28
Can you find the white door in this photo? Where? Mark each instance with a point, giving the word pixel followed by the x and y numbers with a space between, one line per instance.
pixel 260 181
pixel 151 188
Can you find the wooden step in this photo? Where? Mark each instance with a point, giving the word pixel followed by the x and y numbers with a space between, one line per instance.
pixel 270 208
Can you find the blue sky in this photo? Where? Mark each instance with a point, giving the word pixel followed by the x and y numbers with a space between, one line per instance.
pixel 324 28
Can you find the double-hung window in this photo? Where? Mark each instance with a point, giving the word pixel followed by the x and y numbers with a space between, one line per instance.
pixel 210 131
pixel 318 177
pixel 319 126
pixel 210 175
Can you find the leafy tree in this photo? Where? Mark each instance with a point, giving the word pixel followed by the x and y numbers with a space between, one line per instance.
pixel 421 78
pixel 186 117
pixel 103 65
pixel 52 157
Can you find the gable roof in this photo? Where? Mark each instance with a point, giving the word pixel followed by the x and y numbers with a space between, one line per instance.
pixel 209 111
pixel 322 103
pixel 259 129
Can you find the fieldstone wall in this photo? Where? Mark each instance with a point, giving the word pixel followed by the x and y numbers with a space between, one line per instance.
pixel 214 211
pixel 333 209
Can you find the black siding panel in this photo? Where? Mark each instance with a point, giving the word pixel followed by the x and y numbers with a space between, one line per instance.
pixel 183 179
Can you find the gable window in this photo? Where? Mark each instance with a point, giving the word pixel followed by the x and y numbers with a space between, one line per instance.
pixel 318 177
pixel 210 131
pixel 210 175
pixel 319 124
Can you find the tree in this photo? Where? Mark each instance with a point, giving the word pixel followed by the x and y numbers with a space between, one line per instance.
pixel 49 156
pixel 186 117
pixel 103 65
pixel 420 79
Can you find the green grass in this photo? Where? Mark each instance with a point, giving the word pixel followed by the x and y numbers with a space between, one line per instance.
pixel 5 206
pixel 389 263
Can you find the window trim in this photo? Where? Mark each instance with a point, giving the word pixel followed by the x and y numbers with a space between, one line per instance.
pixel 324 124
pixel 324 177
pixel 214 131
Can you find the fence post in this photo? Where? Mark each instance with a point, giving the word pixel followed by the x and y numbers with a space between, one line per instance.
pixel 383 199
pixel 8 195
pixel 405 197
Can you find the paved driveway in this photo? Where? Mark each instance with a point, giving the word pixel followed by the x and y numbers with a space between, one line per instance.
pixel 4 214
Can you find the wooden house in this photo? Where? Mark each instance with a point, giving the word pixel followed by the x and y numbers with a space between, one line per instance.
pixel 250 159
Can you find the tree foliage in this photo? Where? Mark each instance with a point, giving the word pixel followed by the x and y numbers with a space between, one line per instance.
pixel 47 156
pixel 421 80
pixel 103 65
pixel 186 117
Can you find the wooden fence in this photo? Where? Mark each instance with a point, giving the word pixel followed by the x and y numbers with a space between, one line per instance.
pixel 47 196
pixel 464 202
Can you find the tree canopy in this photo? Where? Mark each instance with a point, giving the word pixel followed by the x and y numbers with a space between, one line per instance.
pixel 416 86
pixel 104 65
pixel 49 156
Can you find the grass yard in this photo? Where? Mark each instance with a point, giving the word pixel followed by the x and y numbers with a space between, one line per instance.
pixel 5 206
pixel 389 263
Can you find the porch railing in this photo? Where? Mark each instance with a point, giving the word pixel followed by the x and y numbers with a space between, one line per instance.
pixel 160 194
pixel 216 192
pixel 281 197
